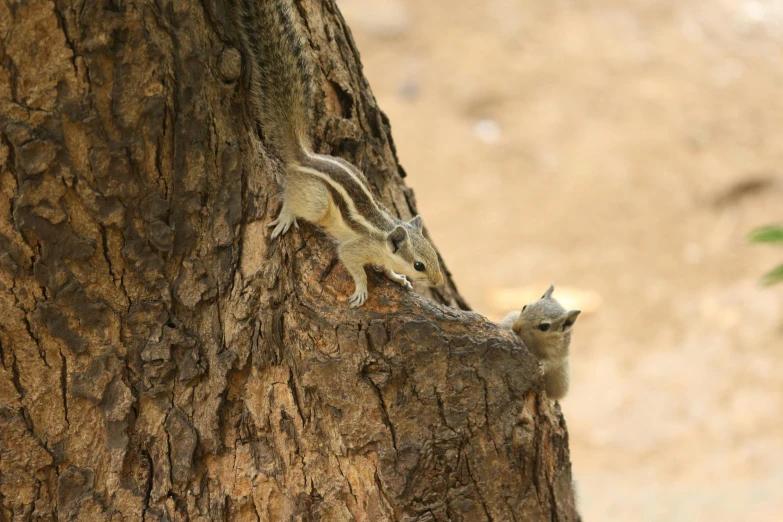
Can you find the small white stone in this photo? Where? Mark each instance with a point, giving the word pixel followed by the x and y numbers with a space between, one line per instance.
pixel 487 131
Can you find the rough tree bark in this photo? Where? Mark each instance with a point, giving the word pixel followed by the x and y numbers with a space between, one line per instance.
pixel 162 360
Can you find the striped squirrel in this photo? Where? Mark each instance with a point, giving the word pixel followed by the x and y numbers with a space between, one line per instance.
pixel 545 328
pixel 324 190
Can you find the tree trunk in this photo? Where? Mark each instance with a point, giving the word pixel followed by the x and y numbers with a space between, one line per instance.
pixel 163 360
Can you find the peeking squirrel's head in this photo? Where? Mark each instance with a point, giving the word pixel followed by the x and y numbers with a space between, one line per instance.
pixel 412 254
pixel 544 324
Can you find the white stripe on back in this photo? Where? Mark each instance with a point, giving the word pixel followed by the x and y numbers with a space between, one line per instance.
pixel 341 190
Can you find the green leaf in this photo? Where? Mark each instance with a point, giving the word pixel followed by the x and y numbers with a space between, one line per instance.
pixel 768 234
pixel 775 276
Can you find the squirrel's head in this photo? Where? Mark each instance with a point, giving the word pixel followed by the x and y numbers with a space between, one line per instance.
pixel 542 323
pixel 412 254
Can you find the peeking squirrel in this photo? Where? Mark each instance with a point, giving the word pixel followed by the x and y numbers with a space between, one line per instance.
pixel 545 328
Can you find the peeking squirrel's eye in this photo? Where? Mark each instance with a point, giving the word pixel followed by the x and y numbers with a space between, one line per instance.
pixel 418 265
pixel 523 308
pixel 543 327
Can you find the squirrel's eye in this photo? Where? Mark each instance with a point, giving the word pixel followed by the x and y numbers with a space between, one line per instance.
pixel 523 308
pixel 543 327
pixel 418 265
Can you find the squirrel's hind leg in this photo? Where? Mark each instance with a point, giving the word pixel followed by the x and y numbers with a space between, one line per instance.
pixel 304 198
pixel 283 222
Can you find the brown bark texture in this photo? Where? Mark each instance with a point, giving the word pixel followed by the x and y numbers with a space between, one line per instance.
pixel 163 360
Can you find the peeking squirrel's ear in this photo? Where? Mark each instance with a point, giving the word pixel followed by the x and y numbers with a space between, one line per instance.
pixel 416 222
pixel 396 237
pixel 570 319
pixel 548 293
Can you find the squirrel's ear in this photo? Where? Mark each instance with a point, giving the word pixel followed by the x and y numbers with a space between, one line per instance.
pixel 416 222
pixel 570 319
pixel 396 237
pixel 548 293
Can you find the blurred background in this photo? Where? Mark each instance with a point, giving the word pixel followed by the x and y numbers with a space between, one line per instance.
pixel 623 150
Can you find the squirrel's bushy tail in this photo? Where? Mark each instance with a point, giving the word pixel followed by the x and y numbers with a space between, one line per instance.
pixel 280 74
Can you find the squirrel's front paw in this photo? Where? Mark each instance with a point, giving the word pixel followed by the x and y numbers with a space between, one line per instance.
pixel 282 224
pixel 403 281
pixel 358 298
pixel 399 279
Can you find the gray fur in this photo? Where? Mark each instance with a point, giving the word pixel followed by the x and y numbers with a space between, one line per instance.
pixel 551 347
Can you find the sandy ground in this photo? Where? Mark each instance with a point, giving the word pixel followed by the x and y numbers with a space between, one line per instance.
pixel 622 150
